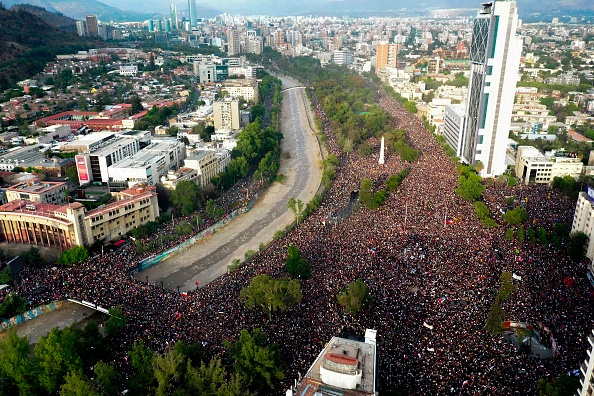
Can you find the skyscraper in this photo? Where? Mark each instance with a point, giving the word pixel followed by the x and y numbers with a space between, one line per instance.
pixel 233 42
pixel 92 25
pixel 193 13
pixel 494 60
pixel 173 10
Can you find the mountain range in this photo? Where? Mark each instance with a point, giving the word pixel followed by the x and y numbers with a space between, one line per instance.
pixel 140 10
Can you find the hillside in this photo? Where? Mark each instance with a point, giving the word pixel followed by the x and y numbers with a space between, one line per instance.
pixel 27 42
pixel 53 18
pixel 77 9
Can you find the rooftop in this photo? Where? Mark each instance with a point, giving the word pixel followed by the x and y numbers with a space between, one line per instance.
pixel 36 187
pixel 344 362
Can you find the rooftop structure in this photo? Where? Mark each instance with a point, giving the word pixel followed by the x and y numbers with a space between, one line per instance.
pixel 345 367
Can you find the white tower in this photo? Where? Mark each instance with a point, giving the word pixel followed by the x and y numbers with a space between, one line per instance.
pixel 381 158
pixel 494 60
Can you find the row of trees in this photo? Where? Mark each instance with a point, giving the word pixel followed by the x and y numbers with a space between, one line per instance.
pixel 497 314
pixel 372 200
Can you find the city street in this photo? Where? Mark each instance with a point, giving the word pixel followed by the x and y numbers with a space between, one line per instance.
pixel 208 259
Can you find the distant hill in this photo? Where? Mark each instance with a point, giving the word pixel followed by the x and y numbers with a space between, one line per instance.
pixel 56 19
pixel 27 43
pixel 77 9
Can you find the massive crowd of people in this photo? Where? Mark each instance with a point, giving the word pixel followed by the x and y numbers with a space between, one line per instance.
pixel 431 267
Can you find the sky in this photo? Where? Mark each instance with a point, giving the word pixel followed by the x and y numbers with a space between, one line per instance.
pixel 278 7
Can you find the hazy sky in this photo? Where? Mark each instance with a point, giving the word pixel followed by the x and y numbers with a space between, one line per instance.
pixel 292 7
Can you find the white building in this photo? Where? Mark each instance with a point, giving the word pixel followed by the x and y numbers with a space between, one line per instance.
pixel 206 165
pixel 534 167
pixel 226 114
pixel 149 164
pixel 245 88
pixel 583 219
pixel 129 70
pixel 494 60
pixel 453 126
pixel 52 132
pixel 344 58
pixel 587 370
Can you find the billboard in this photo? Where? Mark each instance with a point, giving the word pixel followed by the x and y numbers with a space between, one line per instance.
pixel 82 168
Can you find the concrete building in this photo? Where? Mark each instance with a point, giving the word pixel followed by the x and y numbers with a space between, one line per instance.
pixel 343 58
pixel 386 56
pixel 344 367
pixel 534 167
pixel 226 114
pixel 192 12
pixel 52 132
pixel 583 218
pixel 254 45
pixel 37 191
pixel 148 165
pixel 65 226
pixel 81 28
pixel 587 370
pixel 233 42
pixel 172 178
pixel 453 126
pixel 92 25
pixel 246 88
pixel 494 60
pixel 205 163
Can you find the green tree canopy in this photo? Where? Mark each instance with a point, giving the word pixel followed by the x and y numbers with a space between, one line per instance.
pixel 270 294
pixel 354 297
pixel 297 266
pixel 116 322
pixel 577 245
pixel 185 197
pixel 470 186
pixel 516 216
pixel 15 366
pixel 12 305
pixel 256 360
pixel 74 255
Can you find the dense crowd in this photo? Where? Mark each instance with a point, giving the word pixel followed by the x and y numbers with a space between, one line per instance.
pixel 424 256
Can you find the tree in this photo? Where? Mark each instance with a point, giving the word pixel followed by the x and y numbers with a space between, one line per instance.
pixel 12 305
pixel 365 194
pixel 82 103
pixel 136 105
pixel 296 206
pixel 75 384
pixel 74 255
pixel 577 244
pixel 470 186
pixel 116 322
pixel 185 197
pixel 256 361
pixel 212 210
pixel 563 385
pixel 15 365
pixel 168 369
pixel 270 294
pixel 55 356
pixel 516 216
pixel 184 228
pixel 297 266
pixel 354 297
pixel 212 379
pixel 495 318
pixel 32 257
pixel 141 359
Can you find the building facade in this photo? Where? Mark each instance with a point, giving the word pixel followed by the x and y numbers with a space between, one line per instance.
pixel 583 218
pixel 587 370
pixel 453 126
pixel 65 226
pixel 226 114
pixel 534 167
pixel 494 61
pixel 205 163
pixel 92 25
pixel 386 56
pixel 37 191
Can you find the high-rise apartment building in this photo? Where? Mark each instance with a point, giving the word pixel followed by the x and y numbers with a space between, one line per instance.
pixel 81 28
pixel 387 56
pixel 193 12
pixel 494 60
pixel 226 114
pixel 92 25
pixel 233 42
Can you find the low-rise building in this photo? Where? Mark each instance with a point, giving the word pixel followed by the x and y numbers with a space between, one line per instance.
pixel 453 126
pixel 37 191
pixel 65 226
pixel 206 164
pixel 534 167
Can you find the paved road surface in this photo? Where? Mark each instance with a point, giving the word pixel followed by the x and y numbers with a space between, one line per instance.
pixel 208 259
pixel 69 314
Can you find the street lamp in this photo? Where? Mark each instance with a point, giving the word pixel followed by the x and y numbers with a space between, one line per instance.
pixel 146 280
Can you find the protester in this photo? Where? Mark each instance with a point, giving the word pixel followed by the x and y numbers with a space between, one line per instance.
pixel 425 257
